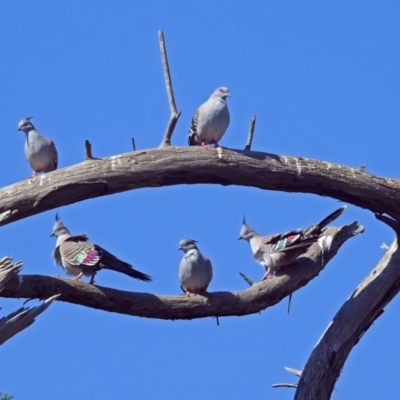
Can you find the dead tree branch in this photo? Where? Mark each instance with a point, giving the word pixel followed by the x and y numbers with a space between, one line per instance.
pixel 173 119
pixel 191 165
pixel 249 301
pixel 23 317
pixel 353 319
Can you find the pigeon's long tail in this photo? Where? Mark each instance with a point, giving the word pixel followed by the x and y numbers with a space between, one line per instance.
pixel 111 262
pixel 316 229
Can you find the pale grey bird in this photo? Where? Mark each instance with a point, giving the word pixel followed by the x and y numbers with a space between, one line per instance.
pixel 210 120
pixel 275 251
pixel 79 257
pixel 195 270
pixel 40 152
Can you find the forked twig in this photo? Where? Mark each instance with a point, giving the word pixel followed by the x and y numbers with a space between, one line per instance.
pixel 294 371
pixel 173 119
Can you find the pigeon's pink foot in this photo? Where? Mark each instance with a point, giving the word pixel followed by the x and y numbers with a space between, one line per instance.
pixel 78 277
pixel 265 277
pixel 188 293
pixel 34 173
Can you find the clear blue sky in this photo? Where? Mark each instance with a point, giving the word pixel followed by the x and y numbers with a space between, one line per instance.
pixel 323 80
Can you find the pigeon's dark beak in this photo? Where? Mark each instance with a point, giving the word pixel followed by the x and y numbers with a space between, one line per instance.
pixel 52 235
pixel 18 129
pixel 240 238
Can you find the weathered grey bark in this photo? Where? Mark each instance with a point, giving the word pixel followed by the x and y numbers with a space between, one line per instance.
pixel 23 317
pixel 249 301
pixel 194 165
pixel 354 318
pixel 8 270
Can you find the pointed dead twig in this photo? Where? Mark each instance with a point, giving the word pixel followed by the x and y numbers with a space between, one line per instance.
pixel 248 280
pixel 173 119
pixel 251 133
pixel 133 144
pixel 88 151
pixel 286 385
pixel 289 303
pixel 294 371
pixel 21 319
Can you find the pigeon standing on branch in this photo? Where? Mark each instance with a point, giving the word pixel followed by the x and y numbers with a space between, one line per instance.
pixel 40 152
pixel 210 120
pixel 275 251
pixel 79 257
pixel 195 270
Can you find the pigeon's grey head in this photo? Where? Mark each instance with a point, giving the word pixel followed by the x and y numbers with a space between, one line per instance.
pixel 25 125
pixel 221 92
pixel 246 233
pixel 59 228
pixel 187 244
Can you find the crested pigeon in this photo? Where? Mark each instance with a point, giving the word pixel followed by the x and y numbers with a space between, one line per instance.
pixel 79 257
pixel 195 270
pixel 210 120
pixel 40 152
pixel 278 250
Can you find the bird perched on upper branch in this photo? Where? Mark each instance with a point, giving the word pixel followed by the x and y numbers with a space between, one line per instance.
pixel 79 257
pixel 278 250
pixel 40 152
pixel 210 120
pixel 195 270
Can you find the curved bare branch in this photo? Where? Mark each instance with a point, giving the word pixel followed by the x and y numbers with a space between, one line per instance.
pixel 191 165
pixel 354 318
pixel 249 301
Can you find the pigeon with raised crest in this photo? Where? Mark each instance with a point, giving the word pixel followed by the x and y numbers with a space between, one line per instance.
pixel 278 250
